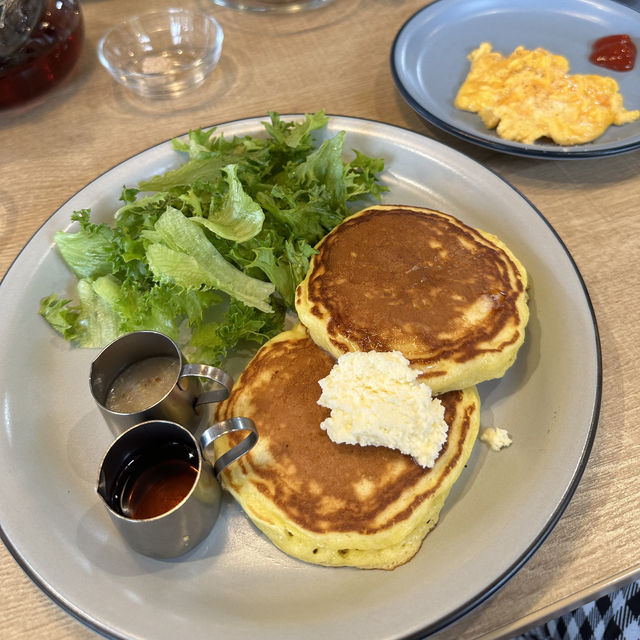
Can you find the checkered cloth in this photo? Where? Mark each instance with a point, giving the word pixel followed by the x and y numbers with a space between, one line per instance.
pixel 615 616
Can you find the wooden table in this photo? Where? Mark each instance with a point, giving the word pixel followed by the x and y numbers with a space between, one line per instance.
pixel 337 58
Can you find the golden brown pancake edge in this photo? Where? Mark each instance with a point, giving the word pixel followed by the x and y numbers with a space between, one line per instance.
pixel 451 298
pixel 326 503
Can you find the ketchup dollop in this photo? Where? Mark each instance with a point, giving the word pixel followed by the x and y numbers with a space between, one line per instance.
pixel 614 52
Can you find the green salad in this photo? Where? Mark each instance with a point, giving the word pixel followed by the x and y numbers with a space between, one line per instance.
pixel 210 253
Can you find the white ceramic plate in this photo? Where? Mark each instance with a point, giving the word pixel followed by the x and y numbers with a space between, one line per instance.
pixel 429 61
pixel 236 584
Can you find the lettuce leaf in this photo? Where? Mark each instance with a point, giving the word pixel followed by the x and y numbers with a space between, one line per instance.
pixel 239 218
pixel 211 341
pixel 231 229
pixel 180 252
pixel 87 252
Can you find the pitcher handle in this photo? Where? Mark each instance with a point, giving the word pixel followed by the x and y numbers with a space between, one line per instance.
pixel 212 433
pixel 223 380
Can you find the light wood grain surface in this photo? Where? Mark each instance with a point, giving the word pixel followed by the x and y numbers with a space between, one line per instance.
pixel 337 58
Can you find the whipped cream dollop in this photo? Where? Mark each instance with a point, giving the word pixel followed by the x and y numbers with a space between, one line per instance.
pixel 376 399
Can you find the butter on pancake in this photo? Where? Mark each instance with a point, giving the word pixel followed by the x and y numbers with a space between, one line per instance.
pixel 530 95
pixel 375 399
pixel 327 503
pixel 452 299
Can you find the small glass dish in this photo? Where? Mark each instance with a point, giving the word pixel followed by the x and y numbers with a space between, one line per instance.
pixel 278 6
pixel 162 53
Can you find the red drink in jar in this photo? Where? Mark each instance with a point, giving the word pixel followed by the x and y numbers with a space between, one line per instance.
pixel 48 54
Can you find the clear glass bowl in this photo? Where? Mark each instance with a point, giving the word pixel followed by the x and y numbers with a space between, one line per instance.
pixel 281 6
pixel 162 53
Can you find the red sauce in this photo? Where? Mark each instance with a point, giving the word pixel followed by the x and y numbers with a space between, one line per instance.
pixel 615 52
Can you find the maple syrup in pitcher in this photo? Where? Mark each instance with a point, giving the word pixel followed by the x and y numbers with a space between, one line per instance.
pixel 155 480
pixel 40 43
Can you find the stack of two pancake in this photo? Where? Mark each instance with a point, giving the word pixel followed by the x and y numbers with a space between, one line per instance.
pixel 453 300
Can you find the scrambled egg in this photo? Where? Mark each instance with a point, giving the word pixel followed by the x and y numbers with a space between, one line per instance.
pixel 530 94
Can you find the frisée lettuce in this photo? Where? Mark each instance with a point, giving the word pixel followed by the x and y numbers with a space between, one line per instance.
pixel 210 253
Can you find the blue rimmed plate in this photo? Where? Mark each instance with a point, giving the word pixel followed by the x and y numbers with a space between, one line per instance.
pixel 429 61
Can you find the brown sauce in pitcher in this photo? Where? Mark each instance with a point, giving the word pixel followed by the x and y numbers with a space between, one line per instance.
pixel 155 481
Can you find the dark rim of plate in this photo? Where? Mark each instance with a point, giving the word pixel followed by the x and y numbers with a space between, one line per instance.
pixel 513 148
pixel 502 579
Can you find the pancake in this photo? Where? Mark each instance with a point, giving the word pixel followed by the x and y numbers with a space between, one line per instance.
pixel 326 503
pixel 451 298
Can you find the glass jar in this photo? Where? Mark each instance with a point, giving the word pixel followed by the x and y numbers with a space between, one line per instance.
pixel 40 43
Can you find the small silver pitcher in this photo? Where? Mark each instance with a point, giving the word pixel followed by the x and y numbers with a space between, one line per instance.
pixel 183 402
pixel 189 515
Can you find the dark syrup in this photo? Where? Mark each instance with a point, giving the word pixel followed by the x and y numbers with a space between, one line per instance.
pixel 154 481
